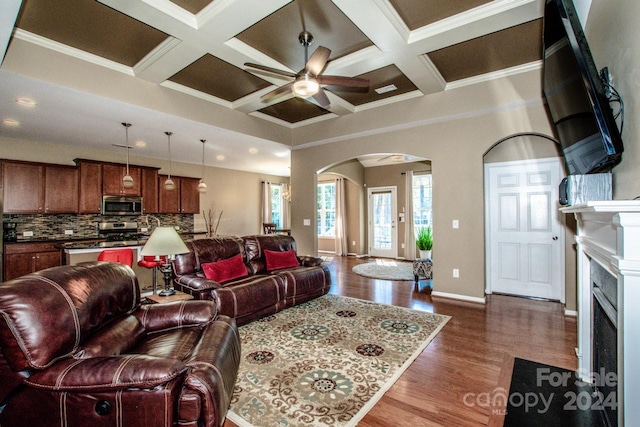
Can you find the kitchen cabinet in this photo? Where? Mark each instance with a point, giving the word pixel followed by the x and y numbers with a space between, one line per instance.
pixel 189 196
pixel 25 258
pixel 112 180
pixel 90 194
pixel 149 190
pixel 23 185
pixel 184 198
pixel 60 189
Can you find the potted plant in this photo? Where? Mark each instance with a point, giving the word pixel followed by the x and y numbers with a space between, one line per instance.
pixel 424 241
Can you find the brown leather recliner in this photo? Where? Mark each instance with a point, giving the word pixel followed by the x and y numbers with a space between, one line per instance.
pixel 79 349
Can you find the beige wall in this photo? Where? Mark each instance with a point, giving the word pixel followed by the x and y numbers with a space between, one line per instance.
pixel 455 143
pixel 612 32
pixel 236 193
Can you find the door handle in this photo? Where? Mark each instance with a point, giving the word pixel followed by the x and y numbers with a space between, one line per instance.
pixel 555 237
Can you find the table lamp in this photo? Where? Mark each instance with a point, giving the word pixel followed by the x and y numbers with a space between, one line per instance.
pixel 165 241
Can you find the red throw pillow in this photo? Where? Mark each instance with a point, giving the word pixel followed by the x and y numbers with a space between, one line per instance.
pixel 225 270
pixel 277 259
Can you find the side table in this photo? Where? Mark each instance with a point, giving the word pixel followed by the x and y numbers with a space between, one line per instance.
pixel 178 296
pixel 422 268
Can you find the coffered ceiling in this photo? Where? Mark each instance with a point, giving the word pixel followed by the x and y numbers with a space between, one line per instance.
pixel 405 48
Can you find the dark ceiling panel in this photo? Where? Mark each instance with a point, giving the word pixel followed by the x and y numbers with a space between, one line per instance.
pixel 294 110
pixel 92 27
pixel 219 78
pixel 277 34
pixel 419 13
pixel 503 49
pixel 377 79
pixel 193 6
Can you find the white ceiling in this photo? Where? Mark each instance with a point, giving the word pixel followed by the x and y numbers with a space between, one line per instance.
pixel 66 116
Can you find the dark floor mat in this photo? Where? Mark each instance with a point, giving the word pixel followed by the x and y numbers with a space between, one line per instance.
pixel 543 395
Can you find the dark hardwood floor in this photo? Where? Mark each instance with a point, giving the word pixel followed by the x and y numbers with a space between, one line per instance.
pixel 470 359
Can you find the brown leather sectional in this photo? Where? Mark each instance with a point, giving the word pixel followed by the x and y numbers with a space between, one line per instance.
pixel 79 349
pixel 261 292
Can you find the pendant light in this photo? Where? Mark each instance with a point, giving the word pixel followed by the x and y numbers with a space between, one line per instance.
pixel 168 184
pixel 127 180
pixel 202 187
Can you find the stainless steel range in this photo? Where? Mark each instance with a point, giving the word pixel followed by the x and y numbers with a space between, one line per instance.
pixel 118 234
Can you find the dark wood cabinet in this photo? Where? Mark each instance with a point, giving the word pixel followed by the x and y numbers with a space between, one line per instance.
pixel 23 185
pixel 60 189
pixel 112 180
pixel 169 200
pixel 149 186
pixel 90 194
pixel 189 196
pixel 25 258
pixel 184 198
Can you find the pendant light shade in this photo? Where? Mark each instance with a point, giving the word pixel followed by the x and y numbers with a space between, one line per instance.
pixel 127 180
pixel 202 187
pixel 169 184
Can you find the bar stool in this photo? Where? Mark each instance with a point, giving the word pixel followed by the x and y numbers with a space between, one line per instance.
pixel 150 261
pixel 123 256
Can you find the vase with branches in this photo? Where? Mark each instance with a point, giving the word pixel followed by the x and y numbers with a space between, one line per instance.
pixel 211 227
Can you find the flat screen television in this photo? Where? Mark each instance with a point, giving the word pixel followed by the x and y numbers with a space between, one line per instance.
pixel 575 94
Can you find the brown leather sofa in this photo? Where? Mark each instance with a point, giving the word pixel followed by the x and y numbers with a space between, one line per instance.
pixel 261 292
pixel 79 349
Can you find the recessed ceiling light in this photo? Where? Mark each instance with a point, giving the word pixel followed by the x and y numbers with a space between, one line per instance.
pixel 26 102
pixel 10 122
pixel 253 150
pixel 141 144
pixel 385 89
pixel 220 157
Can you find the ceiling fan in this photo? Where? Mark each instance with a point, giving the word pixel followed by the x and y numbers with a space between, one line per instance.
pixel 307 81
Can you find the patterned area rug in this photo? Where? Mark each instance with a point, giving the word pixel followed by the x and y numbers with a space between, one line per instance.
pixel 326 361
pixel 385 269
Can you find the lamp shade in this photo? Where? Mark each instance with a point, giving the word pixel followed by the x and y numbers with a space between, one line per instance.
pixel 164 241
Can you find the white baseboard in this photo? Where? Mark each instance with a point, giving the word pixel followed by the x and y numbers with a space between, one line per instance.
pixel 570 313
pixel 459 297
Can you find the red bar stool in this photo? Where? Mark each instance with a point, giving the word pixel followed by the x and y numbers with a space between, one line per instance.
pixel 150 261
pixel 123 256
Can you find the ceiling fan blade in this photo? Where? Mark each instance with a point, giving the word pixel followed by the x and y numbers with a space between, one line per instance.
pixel 269 69
pixel 343 81
pixel 277 91
pixel 318 60
pixel 322 98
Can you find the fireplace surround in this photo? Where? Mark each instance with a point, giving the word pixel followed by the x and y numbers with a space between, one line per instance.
pixel 608 255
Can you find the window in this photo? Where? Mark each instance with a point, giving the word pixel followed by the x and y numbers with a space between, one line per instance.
pixel 276 205
pixel 422 208
pixel 326 209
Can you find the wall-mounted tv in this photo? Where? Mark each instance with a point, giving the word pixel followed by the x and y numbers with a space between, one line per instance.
pixel 575 94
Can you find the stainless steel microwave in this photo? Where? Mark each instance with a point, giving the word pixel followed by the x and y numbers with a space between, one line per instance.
pixel 118 205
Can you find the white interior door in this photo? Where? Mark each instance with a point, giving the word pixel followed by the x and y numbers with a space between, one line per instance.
pixel 383 235
pixel 525 233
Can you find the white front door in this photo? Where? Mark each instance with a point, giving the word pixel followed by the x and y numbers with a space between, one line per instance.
pixel 524 229
pixel 383 235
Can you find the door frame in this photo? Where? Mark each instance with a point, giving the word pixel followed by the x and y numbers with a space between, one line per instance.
pixel 487 224
pixel 394 215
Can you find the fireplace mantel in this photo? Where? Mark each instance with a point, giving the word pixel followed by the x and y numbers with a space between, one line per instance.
pixel 609 234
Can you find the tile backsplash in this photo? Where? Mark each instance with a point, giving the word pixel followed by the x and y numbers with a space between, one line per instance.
pixel 53 227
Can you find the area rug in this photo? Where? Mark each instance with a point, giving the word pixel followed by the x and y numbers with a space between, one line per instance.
pixel 544 395
pixel 385 269
pixel 326 361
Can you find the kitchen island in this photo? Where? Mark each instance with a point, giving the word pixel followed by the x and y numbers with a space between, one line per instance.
pixel 75 253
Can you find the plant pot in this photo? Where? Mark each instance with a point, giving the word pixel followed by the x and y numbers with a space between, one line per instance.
pixel 425 254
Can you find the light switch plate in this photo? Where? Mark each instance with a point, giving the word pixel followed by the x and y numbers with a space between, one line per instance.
pixel 68 232
pixel 306 222
pixel 456 223
pixel 27 233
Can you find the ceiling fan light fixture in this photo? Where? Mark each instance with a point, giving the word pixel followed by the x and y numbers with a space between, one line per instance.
pixel 305 86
